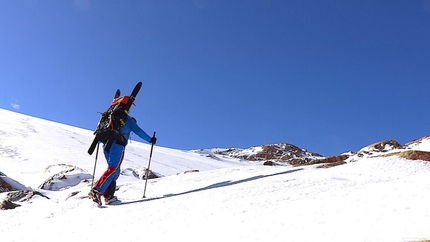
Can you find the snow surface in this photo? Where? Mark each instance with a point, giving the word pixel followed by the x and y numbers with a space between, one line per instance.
pixel 371 199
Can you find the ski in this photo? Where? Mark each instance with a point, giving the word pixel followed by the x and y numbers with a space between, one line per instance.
pixel 117 94
pixel 133 95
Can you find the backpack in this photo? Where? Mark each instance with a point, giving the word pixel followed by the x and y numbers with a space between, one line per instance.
pixel 112 120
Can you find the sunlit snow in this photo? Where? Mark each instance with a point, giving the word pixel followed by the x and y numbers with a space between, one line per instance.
pixel 370 199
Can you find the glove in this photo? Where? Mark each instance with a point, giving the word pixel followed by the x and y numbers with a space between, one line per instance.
pixel 153 140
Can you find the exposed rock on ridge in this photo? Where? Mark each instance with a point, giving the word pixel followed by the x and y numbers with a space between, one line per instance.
pixel 283 153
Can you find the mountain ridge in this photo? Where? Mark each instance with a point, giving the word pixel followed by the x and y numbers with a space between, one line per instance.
pixel 271 154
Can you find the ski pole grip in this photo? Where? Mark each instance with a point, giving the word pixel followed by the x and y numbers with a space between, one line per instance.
pixel 153 139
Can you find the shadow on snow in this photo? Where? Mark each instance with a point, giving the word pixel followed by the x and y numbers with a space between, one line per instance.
pixel 213 186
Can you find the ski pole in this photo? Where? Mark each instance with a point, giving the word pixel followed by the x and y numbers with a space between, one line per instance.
pixel 95 164
pixel 147 169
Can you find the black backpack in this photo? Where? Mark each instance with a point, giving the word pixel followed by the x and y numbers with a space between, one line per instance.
pixel 112 120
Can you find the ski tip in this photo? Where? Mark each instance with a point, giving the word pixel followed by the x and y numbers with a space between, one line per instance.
pixel 117 94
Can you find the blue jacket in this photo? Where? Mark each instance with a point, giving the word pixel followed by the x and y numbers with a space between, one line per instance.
pixel 131 126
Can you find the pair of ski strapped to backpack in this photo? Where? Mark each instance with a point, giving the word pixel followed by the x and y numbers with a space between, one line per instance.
pixel 112 120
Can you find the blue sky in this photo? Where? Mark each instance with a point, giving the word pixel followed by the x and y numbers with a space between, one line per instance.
pixel 328 76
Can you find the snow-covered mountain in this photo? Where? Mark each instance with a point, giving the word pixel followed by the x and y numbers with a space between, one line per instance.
pixel 379 193
pixel 274 153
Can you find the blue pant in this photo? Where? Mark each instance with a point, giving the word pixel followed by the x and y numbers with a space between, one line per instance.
pixel 114 159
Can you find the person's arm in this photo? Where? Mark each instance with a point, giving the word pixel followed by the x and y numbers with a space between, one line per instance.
pixel 137 130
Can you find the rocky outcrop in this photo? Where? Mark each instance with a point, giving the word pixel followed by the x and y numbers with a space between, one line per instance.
pixel 382 146
pixel 333 160
pixel 6 204
pixel 139 173
pixel 8 184
pixel 22 196
pixel 5 186
pixel 412 155
pixel 274 153
pixel 269 163
pixel 63 176
pixel 190 171
pixel 329 165
pixel 151 175
pixel 281 153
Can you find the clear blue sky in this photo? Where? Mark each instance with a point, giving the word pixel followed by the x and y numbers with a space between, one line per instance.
pixel 328 76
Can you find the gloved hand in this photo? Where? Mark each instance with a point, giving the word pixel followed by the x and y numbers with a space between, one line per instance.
pixel 153 140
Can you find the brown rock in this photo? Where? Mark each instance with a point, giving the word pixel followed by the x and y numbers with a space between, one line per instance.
pixel 269 163
pixel 190 171
pixel 335 160
pixel 380 146
pixel 332 159
pixel 6 204
pixel 23 195
pixel 412 155
pixel 151 174
pixel 328 165
pixel 281 152
pixel 4 186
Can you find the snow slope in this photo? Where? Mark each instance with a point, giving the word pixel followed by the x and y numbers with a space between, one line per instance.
pixel 371 199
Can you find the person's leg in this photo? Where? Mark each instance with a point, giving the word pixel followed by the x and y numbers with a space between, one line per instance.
pixel 110 191
pixel 114 159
